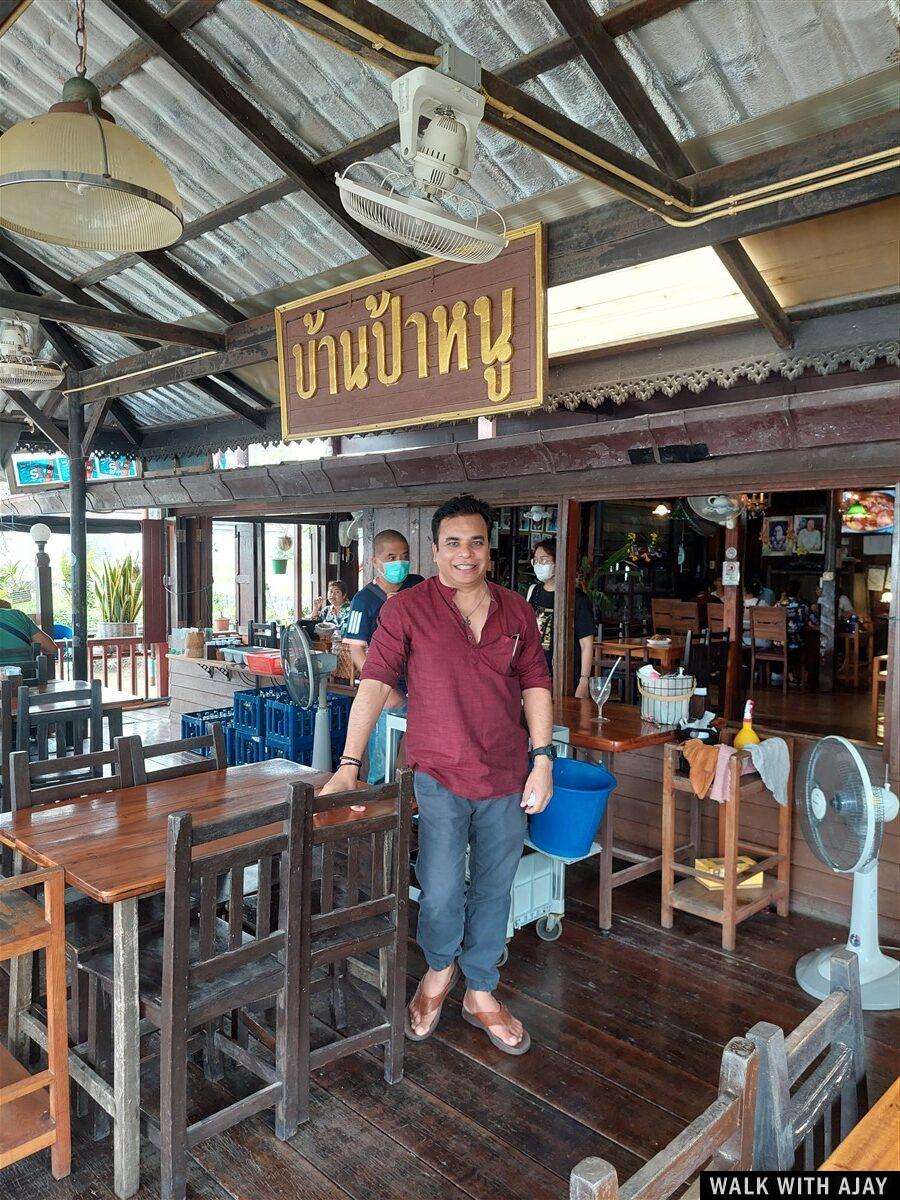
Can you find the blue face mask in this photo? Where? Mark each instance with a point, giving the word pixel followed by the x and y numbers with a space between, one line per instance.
pixel 395 572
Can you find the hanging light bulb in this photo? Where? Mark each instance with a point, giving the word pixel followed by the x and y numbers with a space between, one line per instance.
pixel 661 510
pixel 74 178
pixel 856 509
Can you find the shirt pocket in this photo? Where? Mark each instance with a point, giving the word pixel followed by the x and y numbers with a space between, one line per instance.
pixel 504 653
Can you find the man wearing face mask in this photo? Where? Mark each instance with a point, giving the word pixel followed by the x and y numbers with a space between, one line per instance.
pixel 541 598
pixel 390 566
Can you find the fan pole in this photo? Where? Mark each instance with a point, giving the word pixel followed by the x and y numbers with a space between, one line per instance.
pixel 321 759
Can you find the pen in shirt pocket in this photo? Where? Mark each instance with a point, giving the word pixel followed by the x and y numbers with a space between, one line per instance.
pixel 515 642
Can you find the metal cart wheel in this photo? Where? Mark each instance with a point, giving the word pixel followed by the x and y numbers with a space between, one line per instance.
pixel 549 928
pixel 501 961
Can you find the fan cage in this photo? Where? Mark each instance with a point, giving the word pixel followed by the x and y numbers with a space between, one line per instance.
pixel 848 837
pixel 27 374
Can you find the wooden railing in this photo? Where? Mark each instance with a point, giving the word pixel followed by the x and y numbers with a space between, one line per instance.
pixel 127 664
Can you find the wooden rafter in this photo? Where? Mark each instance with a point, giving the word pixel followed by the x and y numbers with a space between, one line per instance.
pixel 91 316
pixel 39 419
pixel 605 60
pixel 193 286
pixel 250 120
pixel 181 16
pixel 10 11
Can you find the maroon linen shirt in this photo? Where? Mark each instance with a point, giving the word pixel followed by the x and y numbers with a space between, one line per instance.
pixel 464 723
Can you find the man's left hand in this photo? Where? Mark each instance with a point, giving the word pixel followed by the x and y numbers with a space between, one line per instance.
pixel 539 784
pixel 581 692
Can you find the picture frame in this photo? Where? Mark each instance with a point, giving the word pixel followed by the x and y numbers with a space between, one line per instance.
pixel 809 533
pixel 777 537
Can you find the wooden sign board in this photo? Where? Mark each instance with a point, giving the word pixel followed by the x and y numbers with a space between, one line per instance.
pixel 431 341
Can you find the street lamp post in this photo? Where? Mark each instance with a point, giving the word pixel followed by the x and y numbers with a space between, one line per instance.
pixel 43 582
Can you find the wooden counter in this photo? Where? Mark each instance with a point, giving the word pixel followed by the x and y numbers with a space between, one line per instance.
pixel 200 683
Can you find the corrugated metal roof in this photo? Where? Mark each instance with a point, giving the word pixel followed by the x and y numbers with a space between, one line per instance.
pixel 709 68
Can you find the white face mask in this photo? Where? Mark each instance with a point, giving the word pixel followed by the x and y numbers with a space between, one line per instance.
pixel 544 571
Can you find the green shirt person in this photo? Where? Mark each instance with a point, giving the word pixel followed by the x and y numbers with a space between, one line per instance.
pixel 18 634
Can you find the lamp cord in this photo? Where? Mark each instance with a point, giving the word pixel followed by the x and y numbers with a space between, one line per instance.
pixel 80 39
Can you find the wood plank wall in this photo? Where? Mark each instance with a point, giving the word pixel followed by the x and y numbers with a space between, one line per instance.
pixel 815 890
pixel 414 522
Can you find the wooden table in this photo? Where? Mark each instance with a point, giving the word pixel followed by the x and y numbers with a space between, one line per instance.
pixel 623 729
pixel 112 847
pixel 873 1144
pixel 852 642
pixel 114 703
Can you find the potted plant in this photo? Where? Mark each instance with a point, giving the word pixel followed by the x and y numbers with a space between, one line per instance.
pixel 283 548
pixel 220 624
pixel 118 587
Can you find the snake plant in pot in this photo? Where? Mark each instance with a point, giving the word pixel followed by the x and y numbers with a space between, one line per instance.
pixel 119 588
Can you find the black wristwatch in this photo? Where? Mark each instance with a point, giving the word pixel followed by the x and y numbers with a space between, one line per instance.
pixel 549 751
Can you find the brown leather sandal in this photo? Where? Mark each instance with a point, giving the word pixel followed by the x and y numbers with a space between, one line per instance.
pixel 502 1017
pixel 427 1005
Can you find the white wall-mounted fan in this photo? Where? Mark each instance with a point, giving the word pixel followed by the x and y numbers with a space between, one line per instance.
pixel 19 368
pixel 417 208
pixel 306 673
pixel 720 510
pixel 348 531
pixel 843 815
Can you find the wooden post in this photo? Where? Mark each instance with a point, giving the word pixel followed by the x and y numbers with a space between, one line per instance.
pixel 733 622
pixel 891 746
pixel 78 539
pixel 828 599
pixel 568 515
pixel 153 564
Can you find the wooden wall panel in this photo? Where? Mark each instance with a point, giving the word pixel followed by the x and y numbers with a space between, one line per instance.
pixel 414 522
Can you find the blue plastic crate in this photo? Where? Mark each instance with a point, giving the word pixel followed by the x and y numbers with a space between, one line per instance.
pixel 297 755
pixel 248 748
pixel 230 746
pixel 290 747
pixel 197 724
pixel 250 708
pixel 340 706
pixel 285 719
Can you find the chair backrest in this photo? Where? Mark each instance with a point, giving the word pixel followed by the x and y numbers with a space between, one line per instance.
pixel 721 1137
pixel 798 1101
pixel 388 811
pixel 715 617
pixel 83 704
pixel 263 633
pixel 215 758
pixel 248 839
pixel 707 658
pixel 685 616
pixel 661 612
pixel 52 780
pixel 768 624
pixel 6 740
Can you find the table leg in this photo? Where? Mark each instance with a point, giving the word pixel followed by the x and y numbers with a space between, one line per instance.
pixel 114 720
pixel 604 906
pixel 126 1057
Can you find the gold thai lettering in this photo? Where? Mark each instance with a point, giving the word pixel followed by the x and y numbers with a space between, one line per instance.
pixel 452 333
pixel 496 350
pixel 421 323
pixel 306 366
pixel 377 306
pixel 355 376
pixel 313 321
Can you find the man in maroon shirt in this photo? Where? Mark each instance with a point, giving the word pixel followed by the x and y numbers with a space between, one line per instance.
pixel 472 656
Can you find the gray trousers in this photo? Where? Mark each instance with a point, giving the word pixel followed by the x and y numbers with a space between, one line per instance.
pixel 459 920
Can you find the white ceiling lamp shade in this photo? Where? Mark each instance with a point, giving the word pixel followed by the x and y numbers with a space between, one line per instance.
pixel 19 369
pixel 75 178
pixel 417 207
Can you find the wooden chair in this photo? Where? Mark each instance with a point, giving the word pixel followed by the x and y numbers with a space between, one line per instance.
pixel 7 725
pixel 371 917
pixel 798 1104
pixel 34 1109
pixel 661 613
pixel 715 617
pixel 707 660
pixel 215 758
pixel 204 967
pixel 623 679
pixel 263 633
pixel 720 1139
pixel 879 677
pixel 39 712
pixel 685 616
pixel 769 625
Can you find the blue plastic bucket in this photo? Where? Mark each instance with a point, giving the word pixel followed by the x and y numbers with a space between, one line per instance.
pixel 567 826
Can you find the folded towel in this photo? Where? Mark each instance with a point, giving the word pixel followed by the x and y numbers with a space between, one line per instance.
pixel 773 761
pixel 719 789
pixel 702 759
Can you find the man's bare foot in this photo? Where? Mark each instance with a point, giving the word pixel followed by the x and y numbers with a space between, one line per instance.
pixel 432 984
pixel 486 1002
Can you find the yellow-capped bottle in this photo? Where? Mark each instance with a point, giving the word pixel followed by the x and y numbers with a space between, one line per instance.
pixel 746 735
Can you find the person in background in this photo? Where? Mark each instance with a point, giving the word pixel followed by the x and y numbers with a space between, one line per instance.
pixel 18 634
pixel 540 597
pixel 334 607
pixel 478 676
pixel 809 538
pixel 799 617
pixel 390 574
pixel 751 600
pixel 766 595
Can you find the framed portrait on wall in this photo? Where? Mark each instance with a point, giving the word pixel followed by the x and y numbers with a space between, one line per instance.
pixel 809 533
pixel 777 536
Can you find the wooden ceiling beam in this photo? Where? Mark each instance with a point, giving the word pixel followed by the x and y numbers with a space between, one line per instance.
pixel 181 16
pixel 610 68
pixel 39 419
pixel 10 11
pixel 252 122
pixel 193 286
pixel 91 316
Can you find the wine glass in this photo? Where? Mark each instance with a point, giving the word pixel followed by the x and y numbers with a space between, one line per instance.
pixel 599 690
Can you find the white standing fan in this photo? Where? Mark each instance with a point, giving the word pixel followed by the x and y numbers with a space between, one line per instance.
pixel 306 673
pixel 844 815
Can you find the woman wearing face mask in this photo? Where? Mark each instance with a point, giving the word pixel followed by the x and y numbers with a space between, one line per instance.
pixel 540 597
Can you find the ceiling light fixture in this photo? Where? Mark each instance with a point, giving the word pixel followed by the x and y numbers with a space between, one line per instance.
pixel 74 178
pixel 661 510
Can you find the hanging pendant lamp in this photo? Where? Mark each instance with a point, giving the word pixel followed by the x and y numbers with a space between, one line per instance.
pixel 75 178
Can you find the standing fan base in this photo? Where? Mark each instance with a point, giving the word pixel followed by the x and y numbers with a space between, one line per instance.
pixel 880 991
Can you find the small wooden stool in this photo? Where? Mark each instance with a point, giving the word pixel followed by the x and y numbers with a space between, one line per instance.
pixel 729 904
pixel 34 1109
